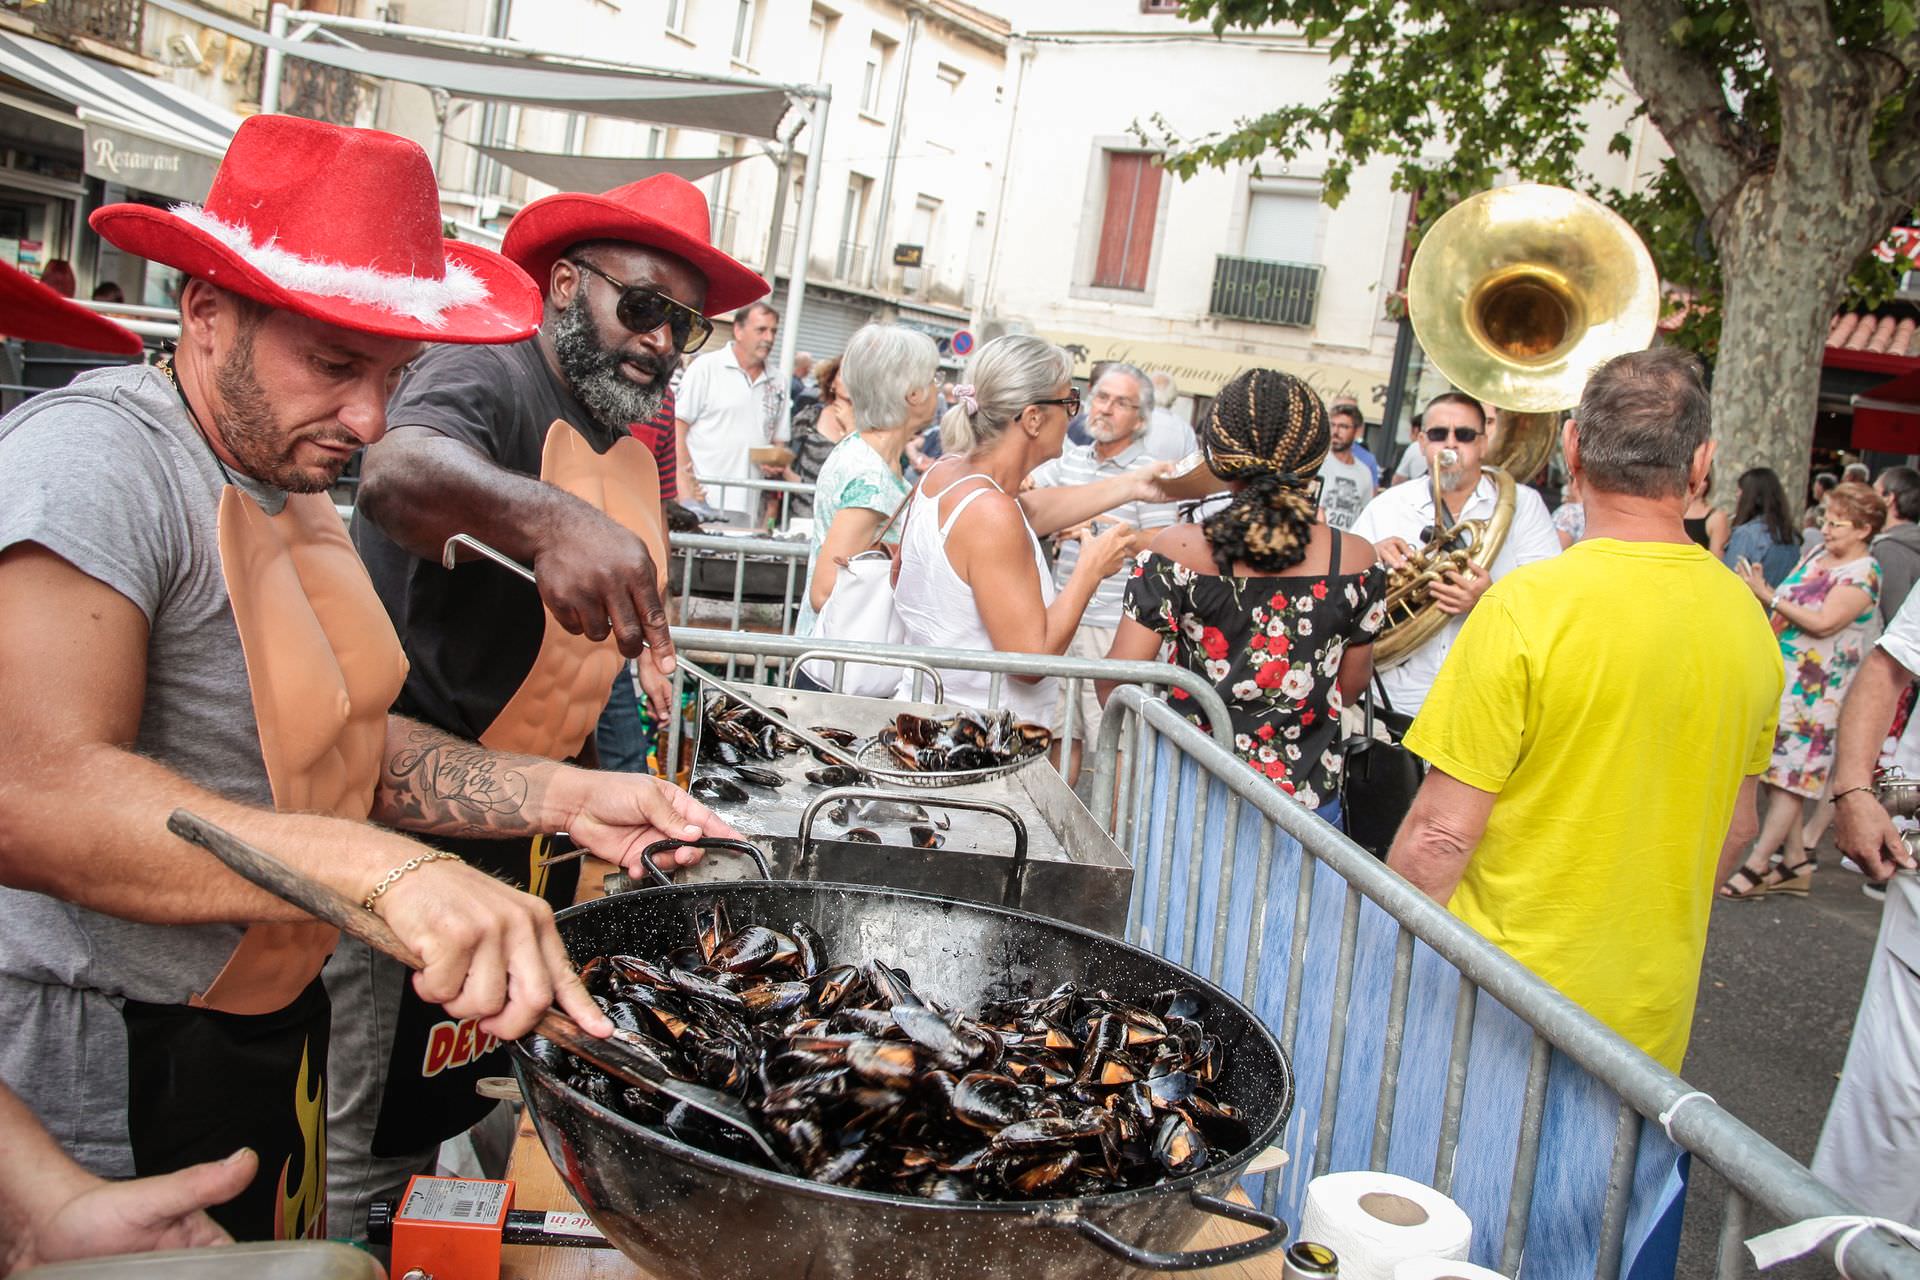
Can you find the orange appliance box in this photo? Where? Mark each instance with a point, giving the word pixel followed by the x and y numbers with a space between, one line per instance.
pixel 450 1229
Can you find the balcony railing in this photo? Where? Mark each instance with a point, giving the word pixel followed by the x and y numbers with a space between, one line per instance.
pixel 851 263
pixel 1269 292
pixel 320 92
pixel 114 22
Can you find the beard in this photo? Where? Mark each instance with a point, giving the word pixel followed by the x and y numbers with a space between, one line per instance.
pixel 261 445
pixel 593 370
pixel 1106 431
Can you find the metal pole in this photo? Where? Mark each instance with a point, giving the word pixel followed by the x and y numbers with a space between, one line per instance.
pixel 803 236
pixel 883 216
pixel 276 62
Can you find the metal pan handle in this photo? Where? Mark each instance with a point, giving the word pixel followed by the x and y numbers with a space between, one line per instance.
pixel 841 655
pixel 1016 874
pixel 1273 1235
pixel 660 877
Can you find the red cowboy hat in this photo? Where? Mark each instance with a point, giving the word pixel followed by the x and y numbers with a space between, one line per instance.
pixel 30 310
pixel 342 225
pixel 663 212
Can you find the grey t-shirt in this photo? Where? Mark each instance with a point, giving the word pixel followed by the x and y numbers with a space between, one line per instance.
pixel 110 475
pixel 1345 489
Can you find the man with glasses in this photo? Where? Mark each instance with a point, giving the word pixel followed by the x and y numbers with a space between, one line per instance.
pixel 1118 411
pixel 730 405
pixel 526 447
pixel 1453 439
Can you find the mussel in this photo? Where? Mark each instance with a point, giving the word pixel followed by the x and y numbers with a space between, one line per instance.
pixel 766 778
pixel 835 775
pixel 716 790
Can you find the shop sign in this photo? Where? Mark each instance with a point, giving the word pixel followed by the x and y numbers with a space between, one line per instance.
pixel 147 164
pixel 1203 371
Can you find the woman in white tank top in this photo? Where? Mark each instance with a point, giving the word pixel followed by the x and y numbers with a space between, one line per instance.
pixel 972 575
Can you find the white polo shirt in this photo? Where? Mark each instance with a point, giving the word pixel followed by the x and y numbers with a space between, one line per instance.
pixel 727 413
pixel 1407 508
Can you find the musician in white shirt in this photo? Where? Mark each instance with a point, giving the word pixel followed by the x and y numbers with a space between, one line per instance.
pixel 1400 520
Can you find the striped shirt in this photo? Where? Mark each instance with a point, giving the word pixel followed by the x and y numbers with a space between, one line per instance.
pixel 1078 465
pixel 657 433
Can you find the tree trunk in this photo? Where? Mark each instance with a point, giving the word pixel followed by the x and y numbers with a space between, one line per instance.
pixel 1766 376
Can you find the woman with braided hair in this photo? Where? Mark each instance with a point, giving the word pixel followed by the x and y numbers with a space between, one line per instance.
pixel 1274 607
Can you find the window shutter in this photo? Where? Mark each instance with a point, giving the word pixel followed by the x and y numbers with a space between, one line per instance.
pixel 1126 230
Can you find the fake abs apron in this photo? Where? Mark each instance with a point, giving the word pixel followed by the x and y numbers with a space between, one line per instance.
pixel 437 1060
pixel 244 1062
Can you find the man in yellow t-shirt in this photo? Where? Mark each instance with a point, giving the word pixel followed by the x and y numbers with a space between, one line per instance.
pixel 1597 733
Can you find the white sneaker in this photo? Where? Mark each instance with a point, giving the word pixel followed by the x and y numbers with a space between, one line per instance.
pixel 1853 866
pixel 1878 892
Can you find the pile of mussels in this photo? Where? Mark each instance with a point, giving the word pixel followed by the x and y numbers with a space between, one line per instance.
pixel 862 1083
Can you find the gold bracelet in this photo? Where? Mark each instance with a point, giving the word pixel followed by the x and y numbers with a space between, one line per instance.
pixel 432 855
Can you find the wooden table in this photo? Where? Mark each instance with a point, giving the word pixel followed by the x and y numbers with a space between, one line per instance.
pixel 537 1185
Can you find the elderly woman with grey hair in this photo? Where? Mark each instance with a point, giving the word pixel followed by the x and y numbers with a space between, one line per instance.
pixel 971 573
pixel 888 373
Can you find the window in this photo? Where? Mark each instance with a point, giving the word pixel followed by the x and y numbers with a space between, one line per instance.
pixel 851 260
pixel 656 142
pixel 873 82
pixel 820 29
pixel 925 226
pixel 1283 221
pixel 1126 227
pixel 1160 6
pixel 743 21
pixel 677 16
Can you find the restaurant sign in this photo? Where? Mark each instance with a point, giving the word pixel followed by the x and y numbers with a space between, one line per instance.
pixel 1203 371
pixel 148 164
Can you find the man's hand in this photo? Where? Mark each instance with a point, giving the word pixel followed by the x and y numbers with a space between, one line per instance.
pixel 100 1218
pixel 490 951
pixel 1456 593
pixel 1393 552
pixel 599 578
pixel 1863 831
pixel 619 814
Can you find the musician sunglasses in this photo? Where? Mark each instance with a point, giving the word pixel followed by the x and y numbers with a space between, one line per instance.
pixel 643 309
pixel 1070 402
pixel 1465 435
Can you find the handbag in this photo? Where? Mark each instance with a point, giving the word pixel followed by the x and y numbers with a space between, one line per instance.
pixel 1381 776
pixel 860 608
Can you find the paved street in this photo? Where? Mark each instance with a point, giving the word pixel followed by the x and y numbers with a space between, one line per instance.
pixel 1777 998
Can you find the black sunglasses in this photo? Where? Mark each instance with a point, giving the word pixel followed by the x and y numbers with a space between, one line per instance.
pixel 1070 402
pixel 643 309
pixel 1465 435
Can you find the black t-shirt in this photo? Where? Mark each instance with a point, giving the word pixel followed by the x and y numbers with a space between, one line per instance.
pixel 472 633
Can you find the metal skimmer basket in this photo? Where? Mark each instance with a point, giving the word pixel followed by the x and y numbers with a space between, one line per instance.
pixel 879 762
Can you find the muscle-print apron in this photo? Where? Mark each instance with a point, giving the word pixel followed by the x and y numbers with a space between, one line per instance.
pixel 436 1060
pixel 244 1062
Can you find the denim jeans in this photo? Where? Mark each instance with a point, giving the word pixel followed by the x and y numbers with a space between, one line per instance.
pixel 620 737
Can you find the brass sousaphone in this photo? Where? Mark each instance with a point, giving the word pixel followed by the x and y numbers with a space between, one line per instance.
pixel 1516 295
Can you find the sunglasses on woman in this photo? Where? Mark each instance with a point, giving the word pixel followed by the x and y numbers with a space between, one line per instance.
pixel 1465 435
pixel 642 309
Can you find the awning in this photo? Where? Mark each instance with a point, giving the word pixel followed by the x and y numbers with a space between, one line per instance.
pixel 716 106
pixel 137 131
pixel 601 173
pixel 1886 416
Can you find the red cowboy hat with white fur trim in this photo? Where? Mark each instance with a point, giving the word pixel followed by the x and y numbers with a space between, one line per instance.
pixel 30 310
pixel 664 212
pixel 339 224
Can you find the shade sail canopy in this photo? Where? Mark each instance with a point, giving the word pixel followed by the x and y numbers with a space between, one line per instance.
pixel 601 173
pixel 138 131
pixel 717 106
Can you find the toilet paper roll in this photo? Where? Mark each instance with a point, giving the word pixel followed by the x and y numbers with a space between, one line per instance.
pixel 1375 1221
pixel 1442 1269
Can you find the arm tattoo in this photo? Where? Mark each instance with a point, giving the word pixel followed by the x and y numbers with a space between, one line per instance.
pixel 436 783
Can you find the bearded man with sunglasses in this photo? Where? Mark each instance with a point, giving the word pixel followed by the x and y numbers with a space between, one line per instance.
pixel 1399 521
pixel 527 448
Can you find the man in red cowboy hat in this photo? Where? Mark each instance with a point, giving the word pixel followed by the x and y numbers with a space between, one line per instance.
pixel 527 447
pixel 190 627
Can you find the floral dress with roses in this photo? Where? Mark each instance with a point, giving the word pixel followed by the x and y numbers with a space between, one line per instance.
pixel 1272 647
pixel 1819 669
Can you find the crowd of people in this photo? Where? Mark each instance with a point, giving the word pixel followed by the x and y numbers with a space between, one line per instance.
pixel 320 692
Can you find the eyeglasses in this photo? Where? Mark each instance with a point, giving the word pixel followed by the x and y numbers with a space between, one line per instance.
pixel 1835 522
pixel 643 309
pixel 1465 435
pixel 1102 399
pixel 1070 402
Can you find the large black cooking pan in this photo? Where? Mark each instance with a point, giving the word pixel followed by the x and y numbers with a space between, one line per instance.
pixel 685 1214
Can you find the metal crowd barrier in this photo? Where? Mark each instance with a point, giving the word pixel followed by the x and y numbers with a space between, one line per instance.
pixel 771 655
pixel 1420 1048
pixel 787 489
pixel 760 587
